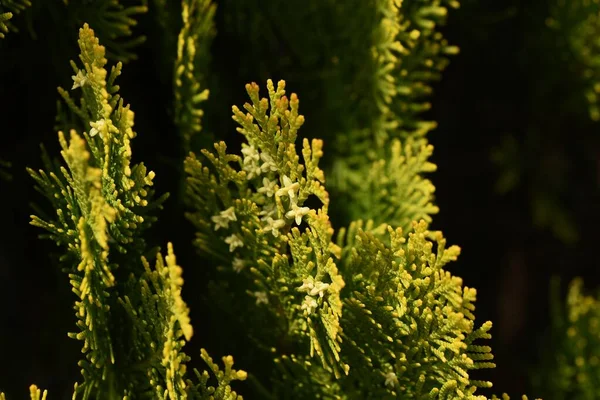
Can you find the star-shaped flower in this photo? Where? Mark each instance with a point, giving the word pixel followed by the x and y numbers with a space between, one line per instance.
pixel 261 297
pixel 268 187
pixel 79 80
pixel 250 154
pixel 391 379
pixel 268 163
pixel 312 287
pixel 274 225
pixel 269 210
pixel 234 242
pixel 290 188
pixel 222 220
pixel 238 265
pixel 99 127
pixel 297 213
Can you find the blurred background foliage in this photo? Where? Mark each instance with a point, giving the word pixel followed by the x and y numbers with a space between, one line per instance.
pixel 517 149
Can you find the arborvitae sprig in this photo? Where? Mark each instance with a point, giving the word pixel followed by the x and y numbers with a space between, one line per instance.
pixel 113 23
pixel 572 369
pixel 4 23
pixel 34 392
pixel 108 131
pixel 193 56
pixel 393 192
pixel 160 325
pixel 251 215
pixel 7 9
pixel 408 54
pixel 408 325
pixel 102 205
pixel 132 319
pixel 203 391
pixel 577 23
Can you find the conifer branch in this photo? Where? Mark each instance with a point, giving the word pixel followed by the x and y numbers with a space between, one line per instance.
pixel 203 391
pixel 250 213
pixel 405 319
pixel 570 371
pixel 7 10
pixel 577 24
pixel 113 22
pixel 408 325
pixel 408 55
pixel 193 56
pixel 34 393
pixel 132 319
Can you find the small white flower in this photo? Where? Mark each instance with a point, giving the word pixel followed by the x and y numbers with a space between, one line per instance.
pixel 268 187
pixel 274 225
pixel 261 297
pixel 222 220
pixel 288 188
pixel 229 214
pixel 391 379
pixel 319 289
pixel 297 213
pixel 250 154
pixel 312 287
pixel 309 305
pixel 234 241
pixel 307 285
pixel 251 159
pixel 78 80
pixel 238 265
pixel 269 210
pixel 252 170
pixel 100 127
pixel 268 163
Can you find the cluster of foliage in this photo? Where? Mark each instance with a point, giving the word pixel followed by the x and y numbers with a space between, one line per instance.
pixel 369 312
pixel 572 371
pixel 562 33
pixel 132 320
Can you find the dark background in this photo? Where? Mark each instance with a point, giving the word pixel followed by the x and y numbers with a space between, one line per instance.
pixel 508 81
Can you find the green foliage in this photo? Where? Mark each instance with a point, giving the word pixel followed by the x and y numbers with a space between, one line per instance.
pixel 404 319
pixel 108 131
pixel 571 370
pixel 4 22
pixel 408 325
pixel 405 53
pixel 34 392
pixel 577 23
pixel 7 9
pixel 193 56
pixel 113 23
pixel 251 216
pixel 394 191
pixel 132 319
pixel 371 315
pixel 222 391
pixel 563 54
